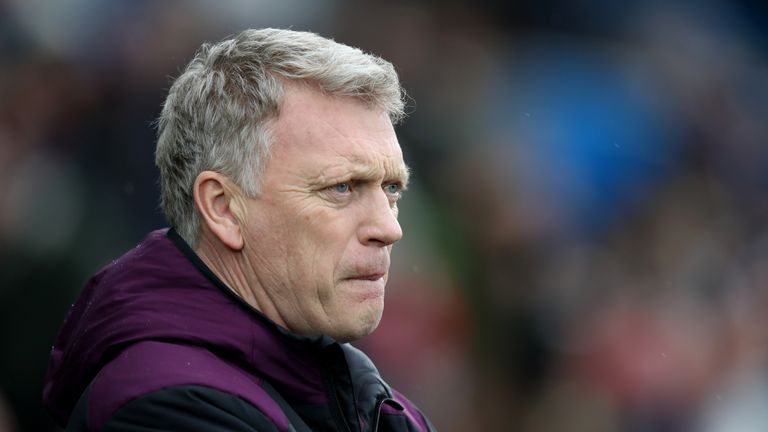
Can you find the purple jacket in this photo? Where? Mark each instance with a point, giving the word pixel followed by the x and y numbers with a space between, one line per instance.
pixel 157 319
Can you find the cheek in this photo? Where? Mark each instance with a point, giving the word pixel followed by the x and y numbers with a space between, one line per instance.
pixel 322 251
pixel 313 263
pixel 328 234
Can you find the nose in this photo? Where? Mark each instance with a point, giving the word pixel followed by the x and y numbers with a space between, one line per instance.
pixel 380 226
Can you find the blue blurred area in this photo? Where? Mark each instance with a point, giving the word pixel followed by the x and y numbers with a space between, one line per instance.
pixel 600 140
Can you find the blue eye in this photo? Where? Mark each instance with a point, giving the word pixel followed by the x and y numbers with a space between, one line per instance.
pixel 392 188
pixel 341 188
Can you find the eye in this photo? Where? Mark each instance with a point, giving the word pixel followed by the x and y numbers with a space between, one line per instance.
pixel 341 188
pixel 392 188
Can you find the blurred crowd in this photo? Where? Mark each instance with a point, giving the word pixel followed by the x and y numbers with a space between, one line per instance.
pixel 586 240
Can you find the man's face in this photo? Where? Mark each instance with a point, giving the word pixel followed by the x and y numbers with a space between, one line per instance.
pixel 318 237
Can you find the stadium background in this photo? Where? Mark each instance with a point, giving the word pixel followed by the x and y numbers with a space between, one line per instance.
pixel 586 241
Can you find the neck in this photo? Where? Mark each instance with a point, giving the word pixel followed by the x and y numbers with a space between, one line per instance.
pixel 233 269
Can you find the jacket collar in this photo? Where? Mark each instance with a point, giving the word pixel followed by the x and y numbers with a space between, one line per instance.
pixel 288 360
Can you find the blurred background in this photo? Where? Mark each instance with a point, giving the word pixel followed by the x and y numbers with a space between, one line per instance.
pixel 586 241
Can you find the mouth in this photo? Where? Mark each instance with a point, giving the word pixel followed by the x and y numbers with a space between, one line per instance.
pixel 368 277
pixel 368 286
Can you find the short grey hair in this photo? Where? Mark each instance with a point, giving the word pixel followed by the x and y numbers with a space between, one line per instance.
pixel 218 111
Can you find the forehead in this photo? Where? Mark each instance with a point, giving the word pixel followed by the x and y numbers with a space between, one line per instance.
pixel 327 136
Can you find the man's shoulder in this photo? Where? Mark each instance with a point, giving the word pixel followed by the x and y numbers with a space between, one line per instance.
pixel 180 378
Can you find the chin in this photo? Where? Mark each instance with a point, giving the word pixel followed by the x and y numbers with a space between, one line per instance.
pixel 363 326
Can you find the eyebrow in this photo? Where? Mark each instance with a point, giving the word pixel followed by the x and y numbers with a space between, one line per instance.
pixel 403 175
pixel 363 171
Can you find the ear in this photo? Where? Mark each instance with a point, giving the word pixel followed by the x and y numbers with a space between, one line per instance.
pixel 219 208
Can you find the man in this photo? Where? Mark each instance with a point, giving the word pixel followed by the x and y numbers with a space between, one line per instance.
pixel 280 174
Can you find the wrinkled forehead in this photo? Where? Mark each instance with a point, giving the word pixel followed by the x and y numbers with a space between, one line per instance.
pixel 336 137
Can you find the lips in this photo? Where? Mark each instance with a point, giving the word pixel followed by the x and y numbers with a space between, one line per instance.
pixel 367 283
pixel 369 270
pixel 368 277
pixel 366 287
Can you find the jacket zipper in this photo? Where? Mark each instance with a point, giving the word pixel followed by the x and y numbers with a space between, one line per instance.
pixel 339 417
pixel 378 413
